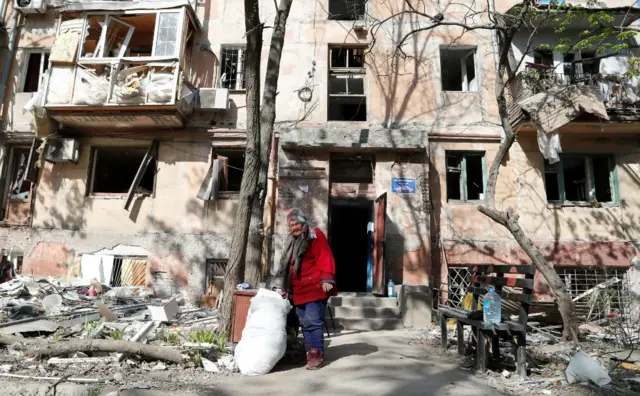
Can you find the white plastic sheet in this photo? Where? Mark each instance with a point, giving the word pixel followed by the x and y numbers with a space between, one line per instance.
pixel 583 368
pixel 264 338
pixel 549 145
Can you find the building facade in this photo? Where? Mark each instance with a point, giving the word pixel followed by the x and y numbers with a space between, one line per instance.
pixel 137 108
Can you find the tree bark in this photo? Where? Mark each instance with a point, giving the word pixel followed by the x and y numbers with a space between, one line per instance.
pixel 41 349
pixel 509 220
pixel 253 262
pixel 249 185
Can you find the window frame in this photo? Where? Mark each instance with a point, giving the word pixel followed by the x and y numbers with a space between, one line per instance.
pixel 340 17
pixel 92 169
pixel 473 49
pixel 241 48
pixel 25 67
pixel 348 72
pixel 463 175
pixel 588 159
pixel 82 60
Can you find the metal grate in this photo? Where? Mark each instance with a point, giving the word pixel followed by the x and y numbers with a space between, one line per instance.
pixel 129 271
pixel 459 279
pixel 232 68
pixel 215 271
pixel 593 302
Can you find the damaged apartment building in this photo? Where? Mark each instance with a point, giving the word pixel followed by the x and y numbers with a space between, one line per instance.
pixel 123 127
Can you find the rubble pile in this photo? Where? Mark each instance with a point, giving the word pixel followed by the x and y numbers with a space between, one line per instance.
pixel 597 364
pixel 91 333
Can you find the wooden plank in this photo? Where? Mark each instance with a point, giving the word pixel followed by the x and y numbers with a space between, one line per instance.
pixel 150 154
pixel 508 281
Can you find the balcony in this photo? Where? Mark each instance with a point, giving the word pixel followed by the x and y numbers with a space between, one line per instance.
pixel 543 96
pixel 121 69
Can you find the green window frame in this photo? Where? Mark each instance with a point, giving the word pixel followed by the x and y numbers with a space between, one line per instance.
pixel 595 189
pixel 463 176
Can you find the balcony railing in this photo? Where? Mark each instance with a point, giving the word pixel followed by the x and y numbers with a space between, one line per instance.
pixel 614 90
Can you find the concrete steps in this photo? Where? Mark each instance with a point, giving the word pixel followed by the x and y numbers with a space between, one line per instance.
pixel 365 312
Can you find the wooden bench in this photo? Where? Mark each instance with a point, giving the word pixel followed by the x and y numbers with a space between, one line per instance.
pixel 482 276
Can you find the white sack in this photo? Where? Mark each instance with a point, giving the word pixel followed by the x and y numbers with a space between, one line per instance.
pixel 264 338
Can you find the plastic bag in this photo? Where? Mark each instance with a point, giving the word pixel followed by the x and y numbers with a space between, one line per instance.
pixel 264 338
pixel 582 368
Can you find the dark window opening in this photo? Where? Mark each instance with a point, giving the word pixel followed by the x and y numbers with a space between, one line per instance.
pixel 37 65
pixel 116 168
pixel 20 186
pixel 551 184
pixel 590 66
pixel 347 109
pixel 465 176
pixel 347 57
pixel 575 179
pixel 214 281
pixel 357 169
pixel 233 170
pixel 232 68
pixel 458 70
pixel 580 179
pixel 602 179
pixel 475 186
pixel 346 10
pixel 543 57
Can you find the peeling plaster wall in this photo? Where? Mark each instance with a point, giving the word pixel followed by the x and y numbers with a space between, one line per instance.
pixel 567 235
pixel 177 231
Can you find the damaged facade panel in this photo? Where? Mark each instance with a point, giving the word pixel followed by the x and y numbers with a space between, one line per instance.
pixel 131 60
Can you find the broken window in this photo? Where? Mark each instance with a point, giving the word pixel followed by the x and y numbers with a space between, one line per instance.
pixel 232 68
pixel 115 169
pixel 543 57
pixel 465 176
pixel 458 69
pixel 129 271
pixel 20 188
pixel 581 70
pixel 580 179
pixel 354 169
pixel 232 170
pixel 347 97
pixel 132 35
pixel 346 10
pixel 37 64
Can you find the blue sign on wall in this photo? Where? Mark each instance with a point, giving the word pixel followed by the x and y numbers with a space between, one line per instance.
pixel 402 185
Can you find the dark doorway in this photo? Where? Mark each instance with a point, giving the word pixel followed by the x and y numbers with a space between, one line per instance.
pixel 350 244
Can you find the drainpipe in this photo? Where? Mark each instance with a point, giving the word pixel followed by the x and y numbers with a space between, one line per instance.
pixel 496 55
pixel 8 59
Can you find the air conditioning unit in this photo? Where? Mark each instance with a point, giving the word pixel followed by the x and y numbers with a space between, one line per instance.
pixel 63 150
pixel 213 99
pixel 30 6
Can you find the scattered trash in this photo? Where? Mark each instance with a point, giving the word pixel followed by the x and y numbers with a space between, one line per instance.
pixel 583 368
pixel 52 303
pixel 165 312
pixel 243 286
pixel 159 367
pixel 209 366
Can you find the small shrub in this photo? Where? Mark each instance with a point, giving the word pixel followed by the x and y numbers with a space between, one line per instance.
pixel 117 334
pixel 203 337
pixel 171 337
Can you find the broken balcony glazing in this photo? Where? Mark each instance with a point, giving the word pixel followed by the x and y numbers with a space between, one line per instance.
pixel 127 60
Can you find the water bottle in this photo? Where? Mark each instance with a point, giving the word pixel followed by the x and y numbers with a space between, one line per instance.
pixel 391 289
pixel 492 307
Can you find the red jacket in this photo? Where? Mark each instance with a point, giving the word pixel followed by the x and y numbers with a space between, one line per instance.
pixel 318 265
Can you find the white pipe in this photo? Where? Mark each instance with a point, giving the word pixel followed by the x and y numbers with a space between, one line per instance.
pixel 9 58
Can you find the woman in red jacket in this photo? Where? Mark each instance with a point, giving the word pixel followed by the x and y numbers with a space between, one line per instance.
pixel 312 271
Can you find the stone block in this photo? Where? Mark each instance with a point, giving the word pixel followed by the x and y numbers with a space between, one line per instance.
pixel 415 306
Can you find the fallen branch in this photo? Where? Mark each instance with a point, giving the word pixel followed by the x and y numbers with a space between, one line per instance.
pixel 41 349
pixel 78 380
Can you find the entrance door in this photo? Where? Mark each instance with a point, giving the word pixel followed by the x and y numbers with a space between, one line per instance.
pixel 379 215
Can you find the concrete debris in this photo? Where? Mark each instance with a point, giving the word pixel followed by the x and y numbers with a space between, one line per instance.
pixel 209 366
pixel 85 324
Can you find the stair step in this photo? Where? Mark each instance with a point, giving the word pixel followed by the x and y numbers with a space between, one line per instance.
pixel 368 324
pixel 367 302
pixel 365 312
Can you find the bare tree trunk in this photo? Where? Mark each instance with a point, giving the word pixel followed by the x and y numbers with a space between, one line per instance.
pixel 249 186
pixel 509 220
pixel 253 262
